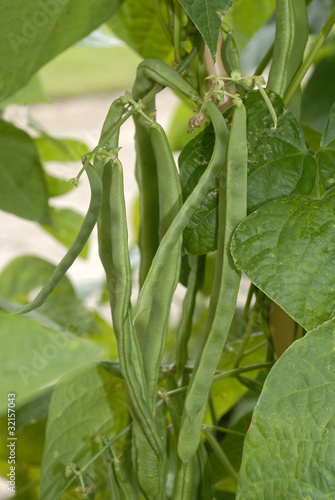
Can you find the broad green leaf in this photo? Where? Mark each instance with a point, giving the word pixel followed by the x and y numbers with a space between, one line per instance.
pixel 24 276
pixel 319 94
pixel 326 155
pixel 287 248
pixel 67 223
pixel 290 444
pixel 23 189
pixel 62 150
pixel 83 410
pixel 32 33
pixel 207 16
pixel 34 356
pixel 278 165
pixel 32 93
pixel 141 30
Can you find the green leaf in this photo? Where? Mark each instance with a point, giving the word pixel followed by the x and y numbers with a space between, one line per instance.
pixel 34 356
pixel 278 165
pixel 23 189
pixel 32 93
pixel 326 155
pixel 24 276
pixel 68 223
pixel 83 409
pixel 319 94
pixel 287 248
pixel 32 33
pixel 291 440
pixel 207 16
pixel 141 30
pixel 62 150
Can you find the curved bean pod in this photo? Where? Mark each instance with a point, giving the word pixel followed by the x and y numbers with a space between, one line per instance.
pixel 152 71
pixel 84 233
pixel 232 209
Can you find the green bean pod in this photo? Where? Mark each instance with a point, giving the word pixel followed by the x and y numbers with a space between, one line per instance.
pixel 155 71
pixel 290 42
pixel 179 223
pixel 170 202
pixel 151 469
pixel 113 250
pixel 84 233
pixel 183 486
pixel 232 209
pixel 146 176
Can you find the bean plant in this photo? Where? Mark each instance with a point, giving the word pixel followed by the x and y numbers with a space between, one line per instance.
pixel 221 399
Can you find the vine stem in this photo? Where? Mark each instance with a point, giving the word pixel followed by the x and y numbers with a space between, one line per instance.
pixel 176 30
pixel 220 454
pixel 309 59
pixel 227 374
pixel 161 19
pixel 97 455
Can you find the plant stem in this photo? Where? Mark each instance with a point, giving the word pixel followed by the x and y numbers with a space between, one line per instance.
pixel 248 330
pixel 176 30
pixel 265 61
pixel 161 19
pixel 221 455
pixel 93 459
pixel 223 429
pixel 227 374
pixel 309 59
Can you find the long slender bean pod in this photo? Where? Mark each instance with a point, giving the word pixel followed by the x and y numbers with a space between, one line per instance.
pixel 170 202
pixel 84 233
pixel 113 249
pixel 183 486
pixel 174 232
pixel 290 42
pixel 232 209
pixel 146 176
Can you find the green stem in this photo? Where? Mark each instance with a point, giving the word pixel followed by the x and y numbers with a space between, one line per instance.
pixel 309 59
pixel 251 291
pixel 249 329
pixel 161 19
pixel 94 458
pixel 227 374
pixel 176 30
pixel 259 346
pixel 222 429
pixel 265 61
pixel 220 454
